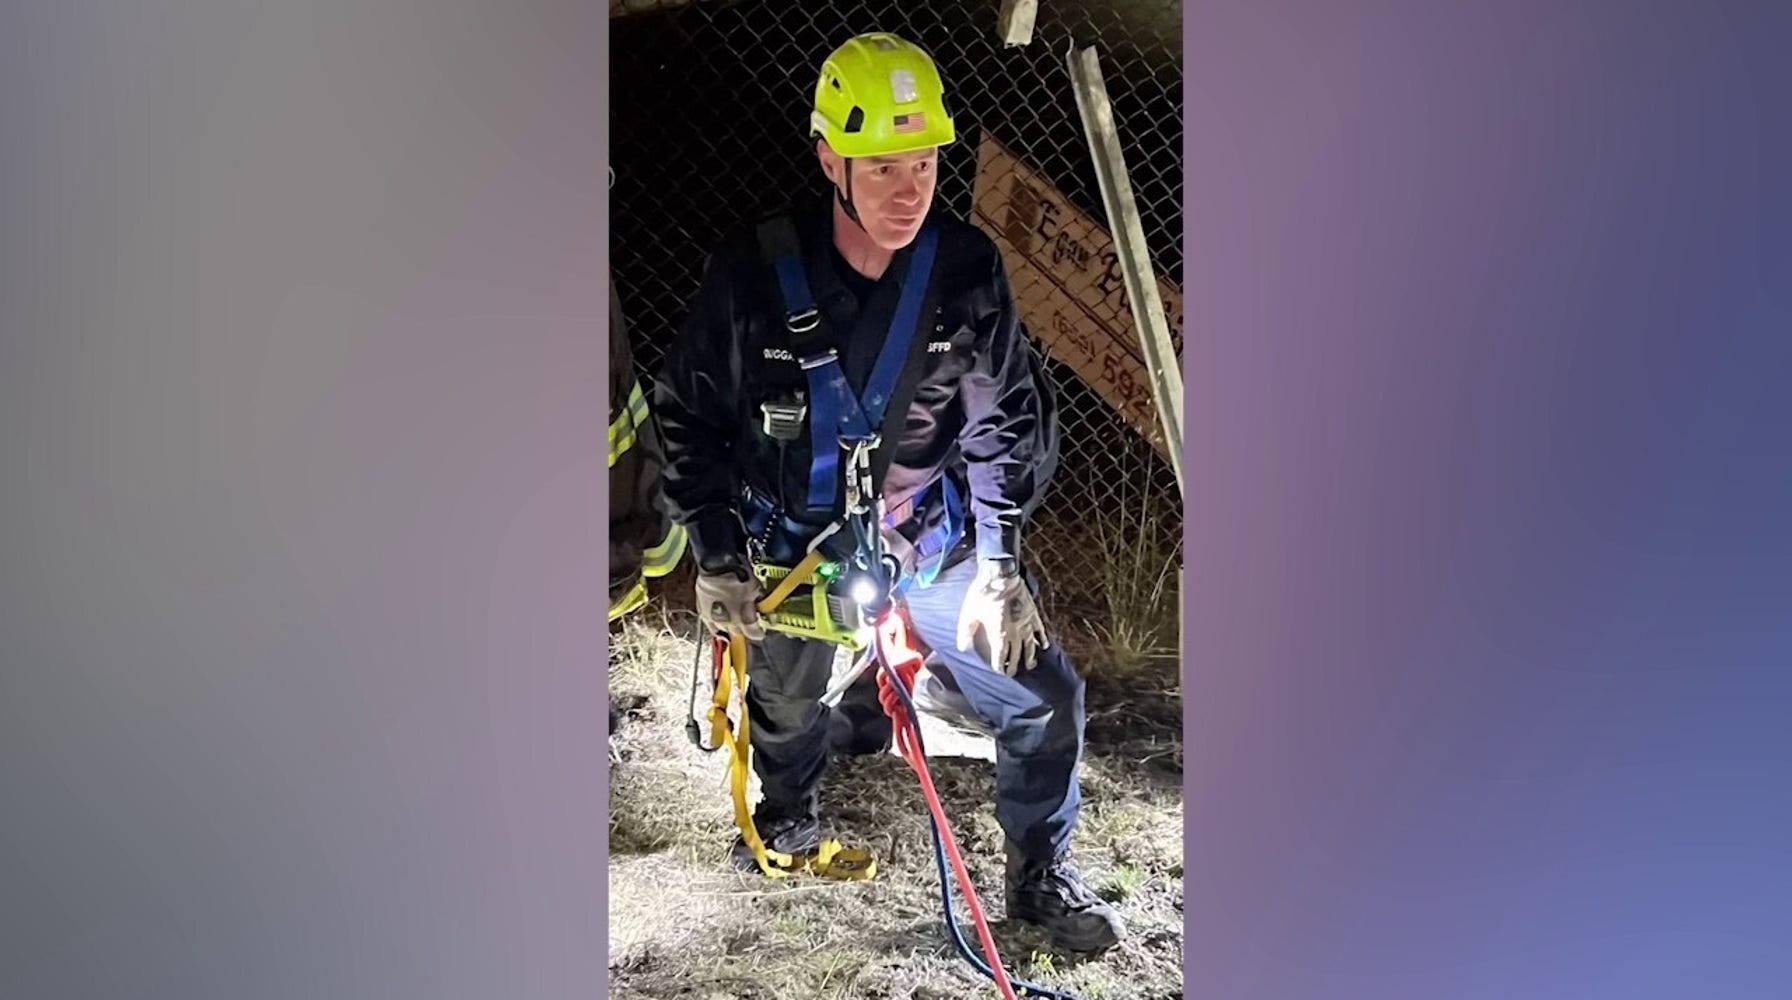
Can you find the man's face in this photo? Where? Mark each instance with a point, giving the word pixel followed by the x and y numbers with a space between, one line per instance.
pixel 891 193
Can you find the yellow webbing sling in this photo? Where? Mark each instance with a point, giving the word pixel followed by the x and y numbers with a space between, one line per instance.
pixel 831 860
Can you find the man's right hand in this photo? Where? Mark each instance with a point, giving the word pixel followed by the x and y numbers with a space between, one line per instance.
pixel 729 602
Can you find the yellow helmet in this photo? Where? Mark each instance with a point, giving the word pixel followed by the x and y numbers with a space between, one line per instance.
pixel 880 95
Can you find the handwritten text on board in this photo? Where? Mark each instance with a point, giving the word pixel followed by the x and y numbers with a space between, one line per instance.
pixel 1068 285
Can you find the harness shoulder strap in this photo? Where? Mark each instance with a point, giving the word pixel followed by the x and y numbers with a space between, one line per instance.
pixel 914 313
pixel 813 348
pixel 778 242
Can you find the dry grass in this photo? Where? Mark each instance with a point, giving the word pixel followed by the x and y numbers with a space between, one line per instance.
pixel 684 924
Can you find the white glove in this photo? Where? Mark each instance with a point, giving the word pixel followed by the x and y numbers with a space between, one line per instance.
pixel 1000 605
pixel 730 603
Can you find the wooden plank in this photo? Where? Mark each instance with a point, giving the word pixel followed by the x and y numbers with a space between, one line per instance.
pixel 1014 22
pixel 1068 285
pixel 1161 358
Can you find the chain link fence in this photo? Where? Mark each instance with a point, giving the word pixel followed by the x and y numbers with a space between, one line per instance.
pixel 709 111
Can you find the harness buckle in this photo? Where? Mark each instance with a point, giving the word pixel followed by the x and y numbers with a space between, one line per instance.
pixel 803 322
pixel 783 420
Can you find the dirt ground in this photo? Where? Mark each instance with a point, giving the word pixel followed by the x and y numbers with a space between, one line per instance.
pixel 684 924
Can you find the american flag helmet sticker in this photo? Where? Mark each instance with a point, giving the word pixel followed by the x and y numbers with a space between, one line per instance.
pixel 911 123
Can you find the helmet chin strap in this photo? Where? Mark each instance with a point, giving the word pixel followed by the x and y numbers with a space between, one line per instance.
pixel 845 198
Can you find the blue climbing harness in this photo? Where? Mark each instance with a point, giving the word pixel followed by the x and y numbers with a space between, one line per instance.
pixel 839 420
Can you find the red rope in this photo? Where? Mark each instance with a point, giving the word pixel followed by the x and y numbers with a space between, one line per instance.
pixel 900 656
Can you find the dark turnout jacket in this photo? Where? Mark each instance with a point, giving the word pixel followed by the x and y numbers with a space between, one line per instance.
pixel 644 540
pixel 982 413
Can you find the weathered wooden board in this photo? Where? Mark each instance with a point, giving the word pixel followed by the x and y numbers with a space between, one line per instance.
pixel 1068 285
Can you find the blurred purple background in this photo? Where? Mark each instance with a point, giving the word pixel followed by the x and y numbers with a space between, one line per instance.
pixel 1490 330
pixel 301 414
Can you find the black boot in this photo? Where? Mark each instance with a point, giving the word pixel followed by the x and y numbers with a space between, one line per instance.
pixel 1054 896
pixel 795 833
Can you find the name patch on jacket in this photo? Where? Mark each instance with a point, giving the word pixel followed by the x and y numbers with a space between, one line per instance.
pixel 780 354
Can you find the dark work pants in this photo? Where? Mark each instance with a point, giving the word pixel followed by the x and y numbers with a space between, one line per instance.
pixel 1037 718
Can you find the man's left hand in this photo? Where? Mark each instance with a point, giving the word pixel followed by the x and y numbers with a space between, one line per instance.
pixel 1000 605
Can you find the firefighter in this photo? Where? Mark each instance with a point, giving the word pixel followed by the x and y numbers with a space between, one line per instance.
pixel 644 540
pixel 863 308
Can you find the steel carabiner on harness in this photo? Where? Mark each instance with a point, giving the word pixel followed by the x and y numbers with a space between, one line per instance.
pixel 860 490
